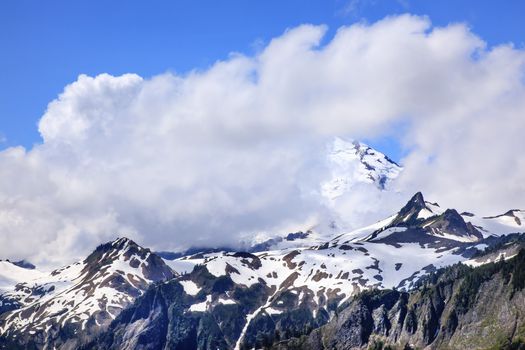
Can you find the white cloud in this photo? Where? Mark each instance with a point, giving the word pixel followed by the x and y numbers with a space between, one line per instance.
pixel 214 156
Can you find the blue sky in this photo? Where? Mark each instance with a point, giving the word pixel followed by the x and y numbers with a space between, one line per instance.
pixel 239 148
pixel 46 45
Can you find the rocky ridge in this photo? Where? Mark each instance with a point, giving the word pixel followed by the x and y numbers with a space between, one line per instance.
pixel 124 296
pixel 68 306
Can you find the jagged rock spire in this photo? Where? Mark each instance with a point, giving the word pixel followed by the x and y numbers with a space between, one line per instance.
pixel 415 204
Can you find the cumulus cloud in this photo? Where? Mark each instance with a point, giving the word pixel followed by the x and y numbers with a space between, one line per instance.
pixel 218 156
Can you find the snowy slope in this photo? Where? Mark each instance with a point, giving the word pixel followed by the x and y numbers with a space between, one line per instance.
pixel 322 268
pixel 352 166
pixel 83 296
pixel 384 254
pixel 11 274
pixel 513 221
pixel 352 162
pixel 348 267
pixel 422 216
pixel 394 252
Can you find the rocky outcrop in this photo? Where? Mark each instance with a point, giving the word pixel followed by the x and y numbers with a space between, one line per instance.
pixel 336 294
pixel 215 317
pixel 458 308
pixel 455 308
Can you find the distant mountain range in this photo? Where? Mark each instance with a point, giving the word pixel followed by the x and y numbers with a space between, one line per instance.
pixel 394 284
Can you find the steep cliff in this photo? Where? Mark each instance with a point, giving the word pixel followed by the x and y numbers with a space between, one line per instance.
pixel 457 308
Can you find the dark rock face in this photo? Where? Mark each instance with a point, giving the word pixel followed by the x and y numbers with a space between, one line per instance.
pixel 164 317
pixel 297 235
pixel 161 318
pixel 452 222
pixel 454 308
pixel 24 264
pixel 8 304
pixel 153 309
pixel 355 328
pixel 416 203
pixel 447 229
pixel 459 308
pixel 157 309
pixel 407 216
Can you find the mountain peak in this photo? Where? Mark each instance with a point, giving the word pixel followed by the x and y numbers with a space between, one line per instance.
pixel 90 293
pixel 119 244
pixel 352 162
pixel 125 251
pixel 417 201
pixel 410 212
pixel 417 217
pixel 452 225
pixel 350 145
pixel 452 214
pixel 123 242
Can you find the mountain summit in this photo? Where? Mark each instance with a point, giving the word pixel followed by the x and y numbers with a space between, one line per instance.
pixel 352 162
pixel 415 209
pixel 234 299
pixel 238 300
pixel 83 297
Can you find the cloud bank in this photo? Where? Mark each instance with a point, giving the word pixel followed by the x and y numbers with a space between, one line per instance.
pixel 216 157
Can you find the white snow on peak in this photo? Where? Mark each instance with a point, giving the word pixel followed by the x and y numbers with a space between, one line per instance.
pixel 353 162
pixel 102 286
pixel 513 221
pixel 453 237
pixel 11 274
pixel 425 214
pixel 365 232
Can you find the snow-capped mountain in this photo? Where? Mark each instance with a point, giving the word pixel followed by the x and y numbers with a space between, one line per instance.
pixel 384 255
pixel 352 162
pixel 277 289
pixel 420 216
pixel 236 300
pixel 82 298
pixel 281 286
